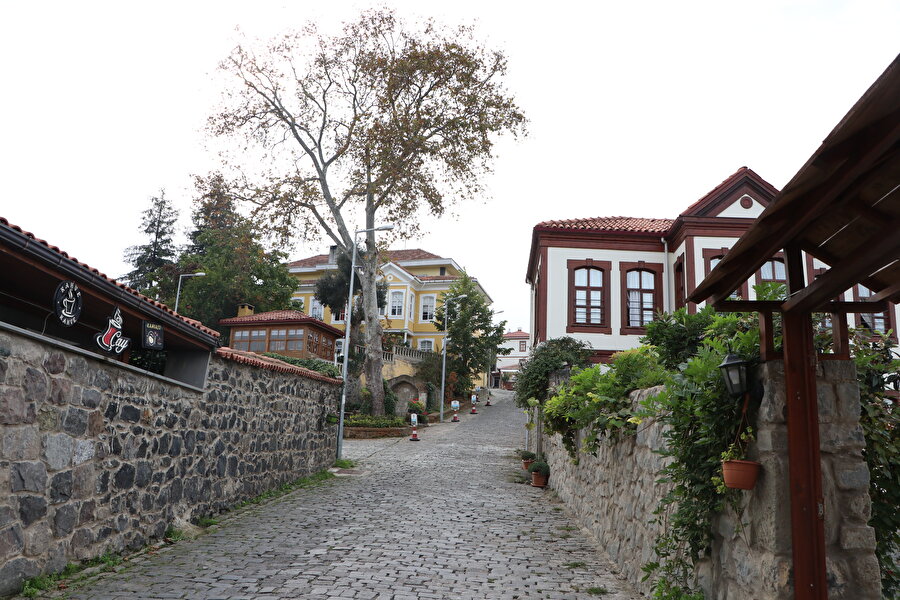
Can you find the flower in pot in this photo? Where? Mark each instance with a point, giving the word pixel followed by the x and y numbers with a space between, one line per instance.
pixel 527 458
pixel 540 471
pixel 738 473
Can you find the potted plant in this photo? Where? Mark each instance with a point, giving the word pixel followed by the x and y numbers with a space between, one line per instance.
pixel 540 471
pixel 527 458
pixel 737 472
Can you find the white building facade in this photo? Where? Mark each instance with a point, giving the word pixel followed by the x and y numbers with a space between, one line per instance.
pixel 603 279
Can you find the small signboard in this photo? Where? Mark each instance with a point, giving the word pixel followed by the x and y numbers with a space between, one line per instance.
pixel 151 336
pixel 413 419
pixel 454 404
pixel 474 398
pixel 67 303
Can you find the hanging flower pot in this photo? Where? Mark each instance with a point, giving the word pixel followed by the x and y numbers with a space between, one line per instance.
pixel 740 474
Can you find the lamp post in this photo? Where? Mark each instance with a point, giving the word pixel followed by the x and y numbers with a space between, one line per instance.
pixel 347 320
pixel 180 278
pixel 444 352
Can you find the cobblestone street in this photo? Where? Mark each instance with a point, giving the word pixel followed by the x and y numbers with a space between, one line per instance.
pixel 444 518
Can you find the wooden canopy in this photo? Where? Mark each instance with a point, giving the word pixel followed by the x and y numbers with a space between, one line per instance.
pixel 842 207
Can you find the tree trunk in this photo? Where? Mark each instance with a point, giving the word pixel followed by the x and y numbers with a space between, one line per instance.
pixel 374 360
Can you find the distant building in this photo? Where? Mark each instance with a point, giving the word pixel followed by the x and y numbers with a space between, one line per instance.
pixel 519 345
pixel 416 280
pixel 287 332
pixel 603 279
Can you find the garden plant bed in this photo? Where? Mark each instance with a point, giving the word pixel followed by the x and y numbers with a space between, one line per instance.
pixel 367 433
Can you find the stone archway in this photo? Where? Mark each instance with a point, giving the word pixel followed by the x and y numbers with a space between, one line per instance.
pixel 406 388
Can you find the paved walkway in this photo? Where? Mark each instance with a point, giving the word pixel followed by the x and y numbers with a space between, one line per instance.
pixel 444 518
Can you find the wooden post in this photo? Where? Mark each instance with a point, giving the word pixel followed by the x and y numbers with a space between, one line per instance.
pixel 804 457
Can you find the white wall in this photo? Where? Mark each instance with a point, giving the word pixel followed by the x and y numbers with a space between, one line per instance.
pixel 558 291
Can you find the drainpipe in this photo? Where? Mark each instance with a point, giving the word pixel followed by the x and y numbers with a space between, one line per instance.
pixel 667 293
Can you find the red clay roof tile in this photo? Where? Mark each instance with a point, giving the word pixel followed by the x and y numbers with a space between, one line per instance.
pixel 387 255
pixel 271 364
pixel 626 224
pixel 279 316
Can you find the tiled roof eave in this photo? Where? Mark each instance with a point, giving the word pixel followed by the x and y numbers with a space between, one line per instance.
pixel 27 243
pixel 272 364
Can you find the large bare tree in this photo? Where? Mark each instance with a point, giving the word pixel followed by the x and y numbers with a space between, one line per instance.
pixel 382 123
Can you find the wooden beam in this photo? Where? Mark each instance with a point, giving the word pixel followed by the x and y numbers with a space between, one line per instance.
pixel 792 212
pixel 804 460
pixel 887 293
pixel 880 249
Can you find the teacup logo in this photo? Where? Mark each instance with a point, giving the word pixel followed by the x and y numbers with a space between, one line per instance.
pixel 112 339
pixel 67 303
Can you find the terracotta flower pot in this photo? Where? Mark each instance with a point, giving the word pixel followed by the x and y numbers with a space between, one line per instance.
pixel 538 479
pixel 527 463
pixel 740 474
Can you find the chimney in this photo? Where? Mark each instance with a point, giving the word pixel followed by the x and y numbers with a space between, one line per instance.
pixel 245 310
pixel 332 255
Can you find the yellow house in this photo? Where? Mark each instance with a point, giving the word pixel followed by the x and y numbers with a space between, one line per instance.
pixel 416 282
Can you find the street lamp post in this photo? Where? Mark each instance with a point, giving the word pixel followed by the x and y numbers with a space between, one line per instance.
pixel 444 352
pixel 347 319
pixel 180 278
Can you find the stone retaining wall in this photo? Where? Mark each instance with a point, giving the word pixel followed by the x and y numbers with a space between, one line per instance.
pixel 97 457
pixel 615 493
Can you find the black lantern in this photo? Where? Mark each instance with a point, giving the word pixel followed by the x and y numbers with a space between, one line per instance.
pixel 734 371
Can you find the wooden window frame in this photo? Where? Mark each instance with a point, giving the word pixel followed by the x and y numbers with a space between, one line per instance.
pixel 709 254
pixel 779 256
pixel 888 312
pixel 390 306
pixel 605 267
pixel 680 285
pixel 522 345
pixel 624 269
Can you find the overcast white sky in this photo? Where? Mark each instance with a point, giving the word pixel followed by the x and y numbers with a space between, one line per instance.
pixel 636 109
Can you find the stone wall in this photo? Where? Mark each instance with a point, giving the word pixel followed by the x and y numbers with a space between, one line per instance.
pixel 615 493
pixel 95 456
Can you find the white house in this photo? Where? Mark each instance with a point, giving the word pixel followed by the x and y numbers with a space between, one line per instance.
pixel 603 279
pixel 519 345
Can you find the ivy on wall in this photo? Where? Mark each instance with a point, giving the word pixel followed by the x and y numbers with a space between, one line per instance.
pixel 684 352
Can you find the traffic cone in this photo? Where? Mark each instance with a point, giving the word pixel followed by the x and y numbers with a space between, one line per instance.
pixel 415 436
pixel 473 412
pixel 455 418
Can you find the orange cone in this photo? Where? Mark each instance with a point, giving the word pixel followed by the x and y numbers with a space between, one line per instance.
pixel 415 436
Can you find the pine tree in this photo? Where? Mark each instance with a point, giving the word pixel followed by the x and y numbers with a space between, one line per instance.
pixel 148 259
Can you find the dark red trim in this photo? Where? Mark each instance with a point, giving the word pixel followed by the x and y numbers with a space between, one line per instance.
pixel 605 267
pixel 689 273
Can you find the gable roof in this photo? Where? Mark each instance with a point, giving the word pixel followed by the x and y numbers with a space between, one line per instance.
pixel 272 364
pixel 386 256
pixel 513 335
pixel 708 205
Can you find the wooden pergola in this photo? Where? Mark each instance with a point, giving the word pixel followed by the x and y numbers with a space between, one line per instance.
pixel 842 208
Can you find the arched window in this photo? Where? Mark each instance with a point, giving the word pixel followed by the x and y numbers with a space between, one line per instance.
pixel 588 298
pixel 640 295
pixel 773 270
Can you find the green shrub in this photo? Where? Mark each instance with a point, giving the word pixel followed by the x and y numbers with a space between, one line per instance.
pixel 314 364
pixel 372 421
pixel 677 335
pixel 534 378
pixel 539 466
